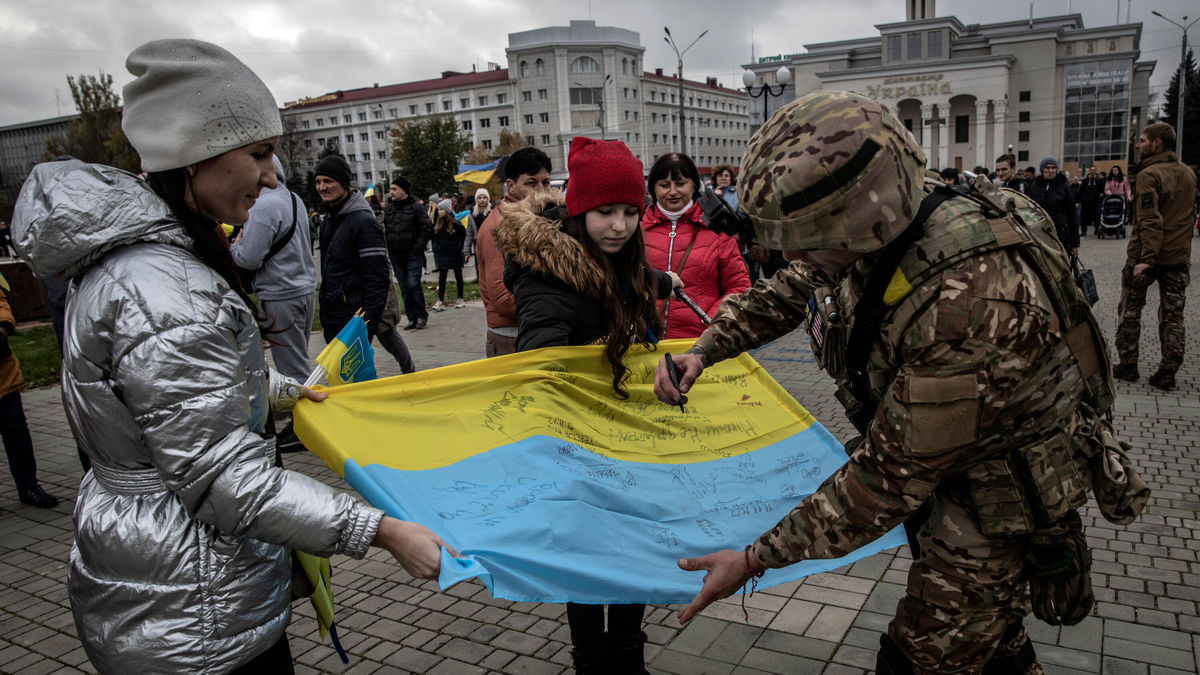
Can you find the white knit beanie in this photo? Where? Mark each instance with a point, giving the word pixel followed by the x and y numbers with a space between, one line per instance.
pixel 192 100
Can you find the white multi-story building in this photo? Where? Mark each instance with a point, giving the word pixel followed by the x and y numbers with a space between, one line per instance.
pixel 561 82
pixel 1042 86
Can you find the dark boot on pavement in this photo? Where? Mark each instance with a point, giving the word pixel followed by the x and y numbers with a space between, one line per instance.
pixel 1126 371
pixel 628 653
pixel 592 660
pixel 1163 379
pixel 34 495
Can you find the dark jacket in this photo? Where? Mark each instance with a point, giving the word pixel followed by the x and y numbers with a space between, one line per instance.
pixel 556 283
pixel 1164 211
pixel 448 246
pixel 1017 183
pixel 408 228
pixel 1091 189
pixel 354 265
pixel 1054 196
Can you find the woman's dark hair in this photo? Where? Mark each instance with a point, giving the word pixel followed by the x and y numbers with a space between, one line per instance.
pixel 630 290
pixel 676 166
pixel 445 221
pixel 723 168
pixel 1117 169
pixel 211 247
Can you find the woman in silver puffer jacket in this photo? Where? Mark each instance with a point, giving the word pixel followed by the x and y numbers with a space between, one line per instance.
pixel 182 528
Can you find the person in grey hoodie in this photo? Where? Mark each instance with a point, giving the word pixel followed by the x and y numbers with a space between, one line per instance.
pixel 182 528
pixel 274 243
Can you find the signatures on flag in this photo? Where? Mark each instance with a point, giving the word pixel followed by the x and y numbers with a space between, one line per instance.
pixel 494 499
pixel 495 414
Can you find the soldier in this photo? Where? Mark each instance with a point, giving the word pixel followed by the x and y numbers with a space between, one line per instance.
pixel 964 354
pixel 1160 249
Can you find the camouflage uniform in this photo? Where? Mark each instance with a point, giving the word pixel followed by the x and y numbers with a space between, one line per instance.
pixel 972 363
pixel 1164 214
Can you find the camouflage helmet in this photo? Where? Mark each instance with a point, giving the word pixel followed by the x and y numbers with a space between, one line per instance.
pixel 831 170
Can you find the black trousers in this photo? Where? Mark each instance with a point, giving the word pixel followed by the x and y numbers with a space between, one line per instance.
pixel 18 445
pixel 587 623
pixel 277 659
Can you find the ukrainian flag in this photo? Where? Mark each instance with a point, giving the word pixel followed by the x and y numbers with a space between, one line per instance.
pixel 348 358
pixel 476 173
pixel 369 192
pixel 553 489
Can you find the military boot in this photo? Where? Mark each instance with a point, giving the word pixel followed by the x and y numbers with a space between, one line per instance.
pixel 890 660
pixel 628 653
pixel 1163 379
pixel 1126 371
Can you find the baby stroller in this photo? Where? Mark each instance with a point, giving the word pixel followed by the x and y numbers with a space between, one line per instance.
pixel 1112 217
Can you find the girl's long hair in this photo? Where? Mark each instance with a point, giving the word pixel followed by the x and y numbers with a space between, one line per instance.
pixel 629 294
pixel 211 247
pixel 445 221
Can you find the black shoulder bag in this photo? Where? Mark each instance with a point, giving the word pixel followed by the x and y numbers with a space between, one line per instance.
pixel 246 275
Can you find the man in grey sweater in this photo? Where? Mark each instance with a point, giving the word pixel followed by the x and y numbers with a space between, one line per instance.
pixel 286 278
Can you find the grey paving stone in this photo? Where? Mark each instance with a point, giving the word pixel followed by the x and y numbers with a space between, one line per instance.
pixel 671 661
pixel 526 665
pixel 733 643
pixel 520 643
pixel 412 659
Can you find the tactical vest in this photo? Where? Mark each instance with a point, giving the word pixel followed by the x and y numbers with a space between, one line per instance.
pixel 1013 495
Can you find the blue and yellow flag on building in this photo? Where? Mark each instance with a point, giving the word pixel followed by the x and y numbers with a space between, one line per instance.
pixel 476 173
pixel 348 358
pixel 553 489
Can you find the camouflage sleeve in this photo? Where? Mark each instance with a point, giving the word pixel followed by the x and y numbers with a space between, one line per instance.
pixel 961 360
pixel 769 309
pixel 1148 218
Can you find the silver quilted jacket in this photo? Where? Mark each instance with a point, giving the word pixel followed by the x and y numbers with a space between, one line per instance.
pixel 182 528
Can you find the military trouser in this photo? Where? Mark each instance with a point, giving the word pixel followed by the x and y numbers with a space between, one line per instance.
pixel 966 596
pixel 1172 288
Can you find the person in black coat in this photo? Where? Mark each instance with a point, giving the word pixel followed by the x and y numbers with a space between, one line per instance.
pixel 577 270
pixel 449 237
pixel 408 229
pixel 1051 191
pixel 1091 191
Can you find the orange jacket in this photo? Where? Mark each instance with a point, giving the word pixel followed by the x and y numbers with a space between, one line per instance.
pixel 497 300
pixel 10 368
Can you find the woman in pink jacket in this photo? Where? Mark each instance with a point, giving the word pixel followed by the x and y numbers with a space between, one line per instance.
pixel 677 240
pixel 1117 183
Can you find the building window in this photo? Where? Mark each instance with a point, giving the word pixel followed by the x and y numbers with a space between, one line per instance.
pixel 627 115
pixel 367 175
pixel 544 118
pixel 464 102
pixel 653 95
pixel 412 109
pixel 381 154
pixel 527 96
pixel 483 100
pixel 529 141
pixel 914 45
pixel 320 122
pixel 363 137
pixel 529 119
pixel 308 142
pixel 485 122
pixel 585 64
pixel 545 139
pixel 446 104
pixel 380 134
pixel 429 107
pixel 347 119
pixel 585 119
pixel 1022 155
pixel 501 98
pixel 523 69
pixel 393 113
pixel 502 120
pixel 539 67
pixel 934 41
pixel 654 137
pixel 377 114
pixel 1023 136
pixel 585 96
pixel 962 128
pixel 349 138
pixel 487 144
pixel 542 94
pixel 893 48
pixel 332 121
pixel 350 157
pixel 1023 96
pixel 625 66
pixel 466 125
pixel 321 142
pixel 1023 116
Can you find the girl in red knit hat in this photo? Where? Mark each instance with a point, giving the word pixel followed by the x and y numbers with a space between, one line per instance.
pixel 578 273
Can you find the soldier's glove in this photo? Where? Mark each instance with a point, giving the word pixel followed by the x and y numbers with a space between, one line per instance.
pixel 5 350
pixel 1059 564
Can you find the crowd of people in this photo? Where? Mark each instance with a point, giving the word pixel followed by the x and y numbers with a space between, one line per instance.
pixel 186 515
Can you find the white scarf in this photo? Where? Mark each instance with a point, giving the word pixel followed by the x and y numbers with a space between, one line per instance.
pixel 673 216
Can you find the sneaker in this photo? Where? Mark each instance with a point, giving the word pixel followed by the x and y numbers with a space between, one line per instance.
pixel 411 325
pixel 421 322
pixel 460 304
pixel 1163 379
pixel 438 306
pixel 1126 371
pixel 34 495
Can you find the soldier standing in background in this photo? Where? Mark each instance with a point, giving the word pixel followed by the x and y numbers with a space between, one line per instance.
pixel 1160 250
pixel 966 357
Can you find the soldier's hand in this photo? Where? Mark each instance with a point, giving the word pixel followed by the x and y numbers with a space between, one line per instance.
pixel 725 573
pixel 1140 269
pixel 689 366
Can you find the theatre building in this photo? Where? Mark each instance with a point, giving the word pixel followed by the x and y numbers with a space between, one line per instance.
pixel 969 93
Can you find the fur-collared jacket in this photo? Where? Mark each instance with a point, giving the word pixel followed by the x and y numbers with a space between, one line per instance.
pixel 556 283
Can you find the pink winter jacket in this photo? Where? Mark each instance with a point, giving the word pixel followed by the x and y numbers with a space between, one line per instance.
pixel 713 270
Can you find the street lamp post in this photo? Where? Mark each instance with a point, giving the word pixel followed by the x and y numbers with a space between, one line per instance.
pixel 783 76
pixel 601 89
pixel 679 55
pixel 1182 81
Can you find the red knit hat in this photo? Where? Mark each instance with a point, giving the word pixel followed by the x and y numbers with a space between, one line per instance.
pixel 602 172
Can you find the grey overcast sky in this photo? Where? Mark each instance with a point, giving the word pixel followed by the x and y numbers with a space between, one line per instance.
pixel 310 47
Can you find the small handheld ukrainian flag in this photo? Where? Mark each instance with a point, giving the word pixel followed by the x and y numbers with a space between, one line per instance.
pixel 369 192
pixel 348 358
